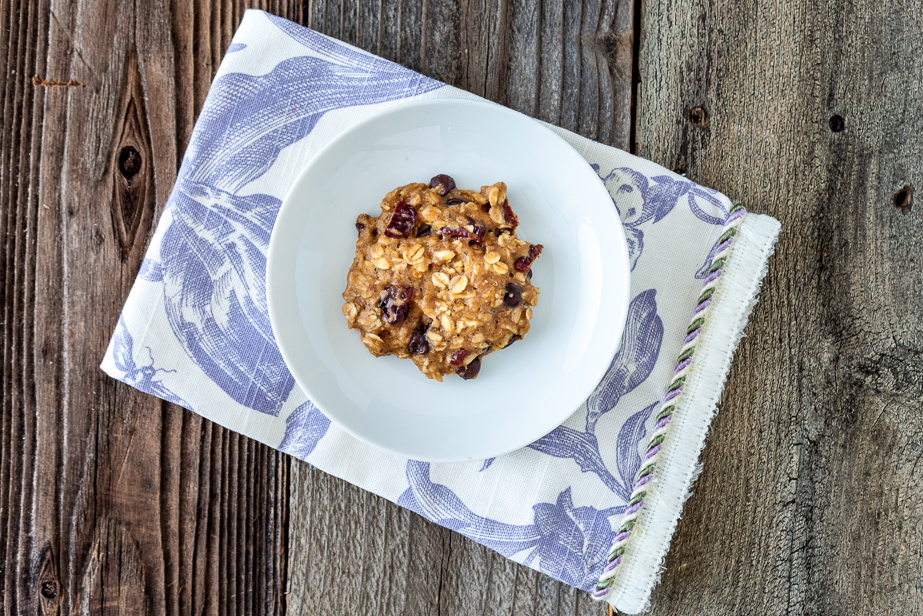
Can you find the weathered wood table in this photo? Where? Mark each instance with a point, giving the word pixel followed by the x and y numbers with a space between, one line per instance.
pixel 810 501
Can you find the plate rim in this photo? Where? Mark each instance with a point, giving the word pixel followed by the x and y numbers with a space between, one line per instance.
pixel 272 273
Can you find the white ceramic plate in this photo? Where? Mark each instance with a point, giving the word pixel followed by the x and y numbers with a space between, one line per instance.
pixel 523 392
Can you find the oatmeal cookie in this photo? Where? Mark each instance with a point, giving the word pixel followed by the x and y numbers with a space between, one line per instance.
pixel 441 278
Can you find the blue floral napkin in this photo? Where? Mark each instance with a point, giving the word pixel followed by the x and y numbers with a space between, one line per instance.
pixel 594 503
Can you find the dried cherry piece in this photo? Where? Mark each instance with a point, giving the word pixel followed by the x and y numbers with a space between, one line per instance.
pixel 403 221
pixel 454 201
pixel 396 304
pixel 471 370
pixel 477 236
pixel 443 182
pixel 424 230
pixel 513 339
pixel 360 227
pixel 418 344
pixel 513 295
pixel 479 231
pixel 458 356
pixel 455 232
pixel 509 216
pixel 522 264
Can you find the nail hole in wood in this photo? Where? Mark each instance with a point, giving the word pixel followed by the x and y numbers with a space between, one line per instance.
pixel 49 590
pixel 129 162
pixel 698 116
pixel 837 123
pixel 903 199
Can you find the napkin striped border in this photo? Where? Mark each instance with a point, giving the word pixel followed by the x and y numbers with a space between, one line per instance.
pixel 670 400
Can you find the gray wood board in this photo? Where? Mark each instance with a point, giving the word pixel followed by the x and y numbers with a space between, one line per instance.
pixel 810 498
pixel 111 501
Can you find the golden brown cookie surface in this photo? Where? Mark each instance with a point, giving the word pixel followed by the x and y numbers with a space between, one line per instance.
pixel 440 277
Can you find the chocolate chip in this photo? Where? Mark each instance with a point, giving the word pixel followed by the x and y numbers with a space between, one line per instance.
pixel 470 371
pixel 444 183
pixel 513 295
pixel 513 339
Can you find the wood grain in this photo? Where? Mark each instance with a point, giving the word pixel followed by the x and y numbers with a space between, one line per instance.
pixel 563 62
pixel 812 488
pixel 112 501
pixel 349 547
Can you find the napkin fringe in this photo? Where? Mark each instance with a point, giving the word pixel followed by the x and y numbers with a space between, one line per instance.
pixel 701 315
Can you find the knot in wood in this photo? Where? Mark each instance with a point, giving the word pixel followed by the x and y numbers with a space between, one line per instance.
pixel 129 162
pixel 49 590
pixel 903 199
pixel 698 116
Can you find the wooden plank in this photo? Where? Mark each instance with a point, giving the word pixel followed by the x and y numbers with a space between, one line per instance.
pixel 348 547
pixel 564 62
pixel 112 501
pixel 812 489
